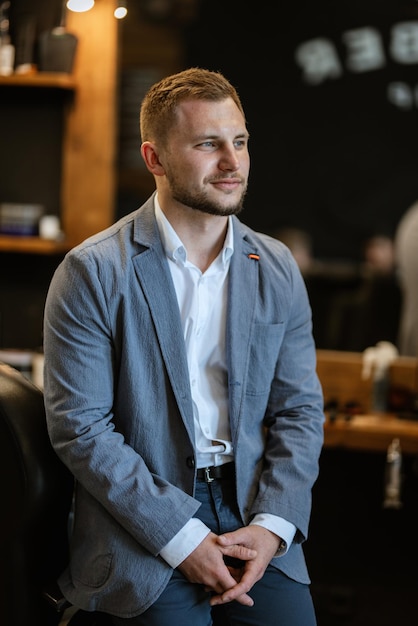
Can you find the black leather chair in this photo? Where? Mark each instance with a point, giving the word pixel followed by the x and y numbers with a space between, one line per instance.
pixel 36 494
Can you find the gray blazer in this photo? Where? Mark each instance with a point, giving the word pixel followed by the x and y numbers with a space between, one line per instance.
pixel 119 407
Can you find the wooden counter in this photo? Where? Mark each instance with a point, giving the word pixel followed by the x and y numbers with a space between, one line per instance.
pixel 340 374
pixel 371 432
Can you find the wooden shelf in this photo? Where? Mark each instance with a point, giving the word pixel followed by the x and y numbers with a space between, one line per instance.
pixel 32 245
pixel 49 80
pixel 87 172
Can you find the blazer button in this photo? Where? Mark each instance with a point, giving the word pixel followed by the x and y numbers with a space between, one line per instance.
pixel 190 462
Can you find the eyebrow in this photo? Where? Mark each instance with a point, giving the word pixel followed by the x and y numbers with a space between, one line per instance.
pixel 243 135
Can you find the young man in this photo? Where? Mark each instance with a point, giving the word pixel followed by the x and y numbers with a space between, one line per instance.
pixel 181 388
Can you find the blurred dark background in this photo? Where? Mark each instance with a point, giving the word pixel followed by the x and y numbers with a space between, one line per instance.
pixel 333 136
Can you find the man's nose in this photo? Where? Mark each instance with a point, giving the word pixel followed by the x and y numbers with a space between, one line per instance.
pixel 229 159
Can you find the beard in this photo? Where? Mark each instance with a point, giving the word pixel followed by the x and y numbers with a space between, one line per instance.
pixel 199 200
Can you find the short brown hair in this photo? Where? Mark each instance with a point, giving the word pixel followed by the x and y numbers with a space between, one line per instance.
pixel 160 102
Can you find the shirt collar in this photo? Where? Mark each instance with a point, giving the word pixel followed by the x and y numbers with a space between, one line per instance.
pixel 173 245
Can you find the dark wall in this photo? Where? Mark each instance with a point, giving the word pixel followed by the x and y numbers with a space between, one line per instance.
pixel 333 137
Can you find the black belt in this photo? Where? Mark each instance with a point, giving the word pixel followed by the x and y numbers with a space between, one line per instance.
pixel 215 472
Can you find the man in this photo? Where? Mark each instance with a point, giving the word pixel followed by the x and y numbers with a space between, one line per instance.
pixel 181 388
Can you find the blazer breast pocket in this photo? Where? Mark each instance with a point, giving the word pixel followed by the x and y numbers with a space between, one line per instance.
pixel 264 352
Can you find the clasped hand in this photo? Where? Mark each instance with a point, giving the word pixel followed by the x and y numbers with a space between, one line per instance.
pixel 253 545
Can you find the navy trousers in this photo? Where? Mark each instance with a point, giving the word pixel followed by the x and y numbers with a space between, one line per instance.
pixel 278 600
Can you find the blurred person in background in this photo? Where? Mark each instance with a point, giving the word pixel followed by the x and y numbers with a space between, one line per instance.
pixel 299 243
pixel 379 254
pixel 406 255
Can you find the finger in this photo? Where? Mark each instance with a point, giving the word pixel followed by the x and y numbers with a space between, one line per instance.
pixel 237 593
pixel 243 599
pixel 236 572
pixel 239 552
pixel 235 537
pixel 227 582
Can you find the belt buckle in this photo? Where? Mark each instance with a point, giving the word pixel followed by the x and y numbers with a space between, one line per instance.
pixel 208 477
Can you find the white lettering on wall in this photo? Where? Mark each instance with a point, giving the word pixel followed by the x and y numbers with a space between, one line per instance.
pixel 404 42
pixel 403 96
pixel 365 50
pixel 318 60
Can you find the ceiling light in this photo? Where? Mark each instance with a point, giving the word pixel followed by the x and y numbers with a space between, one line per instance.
pixel 121 10
pixel 80 5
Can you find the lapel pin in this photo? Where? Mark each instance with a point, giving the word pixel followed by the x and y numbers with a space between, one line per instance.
pixel 254 256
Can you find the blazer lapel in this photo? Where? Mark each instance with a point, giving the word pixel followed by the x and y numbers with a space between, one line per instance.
pixel 154 276
pixel 243 288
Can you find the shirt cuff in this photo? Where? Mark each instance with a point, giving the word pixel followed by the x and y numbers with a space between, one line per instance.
pixel 279 526
pixel 183 544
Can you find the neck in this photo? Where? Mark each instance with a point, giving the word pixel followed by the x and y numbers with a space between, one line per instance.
pixel 203 235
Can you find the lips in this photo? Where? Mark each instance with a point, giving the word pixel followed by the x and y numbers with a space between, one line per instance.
pixel 228 181
pixel 228 186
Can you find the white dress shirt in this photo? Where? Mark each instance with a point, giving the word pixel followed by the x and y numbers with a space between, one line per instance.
pixel 202 300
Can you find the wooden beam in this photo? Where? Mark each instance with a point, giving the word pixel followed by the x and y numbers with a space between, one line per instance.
pixel 88 185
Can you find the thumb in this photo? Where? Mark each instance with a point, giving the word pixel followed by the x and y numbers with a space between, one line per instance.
pixel 234 537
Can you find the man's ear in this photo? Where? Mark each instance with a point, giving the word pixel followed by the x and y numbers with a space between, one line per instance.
pixel 150 156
